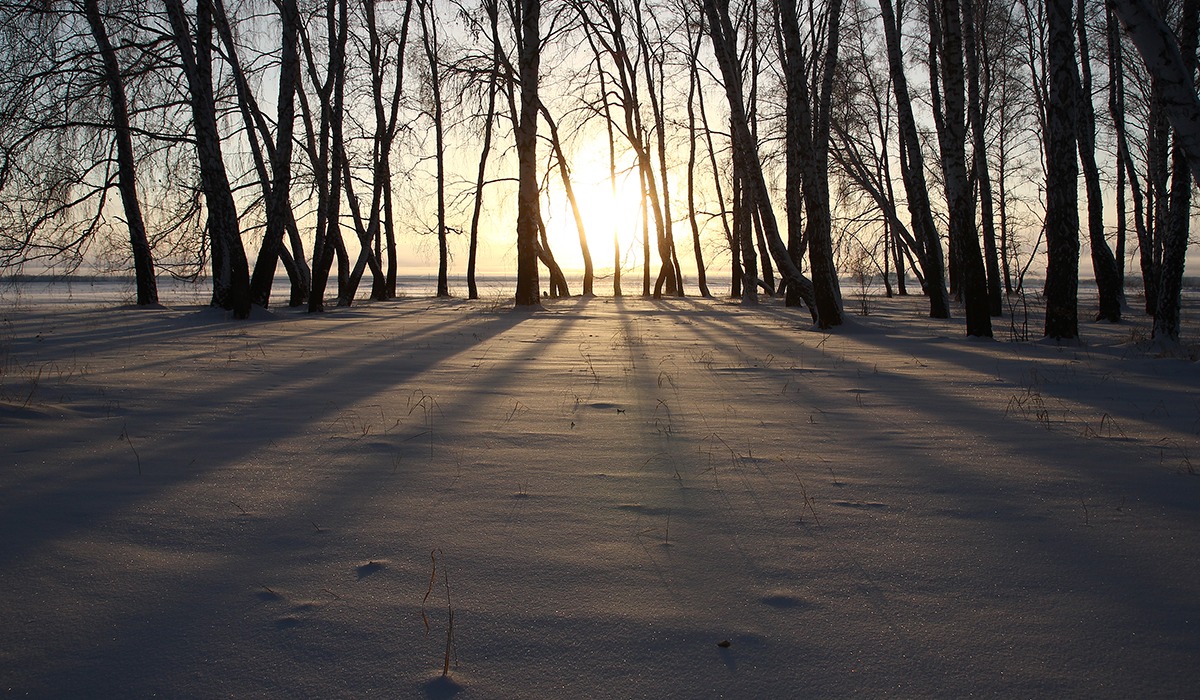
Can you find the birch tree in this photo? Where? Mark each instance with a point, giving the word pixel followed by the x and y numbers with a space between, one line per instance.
pixel 231 271
pixel 952 139
pixel 1062 178
pixel 745 155
pixel 143 258
pixel 912 172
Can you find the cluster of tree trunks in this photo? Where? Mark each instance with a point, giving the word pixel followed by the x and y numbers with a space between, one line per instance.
pixel 838 119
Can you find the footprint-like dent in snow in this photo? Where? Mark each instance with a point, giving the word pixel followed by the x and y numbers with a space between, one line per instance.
pixel 784 601
pixel 288 622
pixel 371 567
pixel 267 595
pixel 441 687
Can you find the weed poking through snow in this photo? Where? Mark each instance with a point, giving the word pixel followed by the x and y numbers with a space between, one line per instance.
pixel 451 651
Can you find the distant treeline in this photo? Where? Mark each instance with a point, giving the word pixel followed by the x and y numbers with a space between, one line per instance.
pixel 794 144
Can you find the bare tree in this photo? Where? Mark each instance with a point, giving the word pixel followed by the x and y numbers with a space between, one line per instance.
pixel 326 147
pixel 231 271
pixel 809 109
pixel 1171 73
pixel 143 259
pixel 1175 238
pixel 604 23
pixel 527 15
pixel 1062 176
pixel 432 45
pixel 952 138
pixel 1104 264
pixel 745 155
pixel 972 44
pixel 279 212
pixel 912 172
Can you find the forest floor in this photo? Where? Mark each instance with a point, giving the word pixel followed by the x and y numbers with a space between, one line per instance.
pixel 615 498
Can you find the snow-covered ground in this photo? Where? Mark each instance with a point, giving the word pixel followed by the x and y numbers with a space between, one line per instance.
pixel 625 499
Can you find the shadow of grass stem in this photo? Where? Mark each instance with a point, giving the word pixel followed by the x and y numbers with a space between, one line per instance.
pixel 125 437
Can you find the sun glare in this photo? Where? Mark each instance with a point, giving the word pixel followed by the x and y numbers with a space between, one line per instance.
pixel 605 214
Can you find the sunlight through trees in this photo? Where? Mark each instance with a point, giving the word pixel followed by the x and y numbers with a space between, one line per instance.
pixel 778 145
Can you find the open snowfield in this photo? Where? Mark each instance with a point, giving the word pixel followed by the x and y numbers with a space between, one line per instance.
pixel 628 499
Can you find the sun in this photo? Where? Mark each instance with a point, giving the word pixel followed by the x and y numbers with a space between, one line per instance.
pixel 610 214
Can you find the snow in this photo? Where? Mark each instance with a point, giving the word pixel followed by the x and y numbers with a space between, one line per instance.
pixel 198 507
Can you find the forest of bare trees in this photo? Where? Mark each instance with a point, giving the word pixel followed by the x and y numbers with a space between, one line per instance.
pixel 967 150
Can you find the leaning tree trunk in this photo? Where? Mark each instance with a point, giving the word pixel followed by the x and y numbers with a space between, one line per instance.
pixel 279 211
pixel 1104 263
pixel 143 259
pixel 231 270
pixel 912 171
pixel 745 154
pixel 564 171
pixel 1168 69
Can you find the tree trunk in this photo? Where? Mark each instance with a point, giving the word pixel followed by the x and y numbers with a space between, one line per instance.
pixel 1104 264
pixel 231 270
pixel 431 45
pixel 666 279
pixel 1062 179
pixel 328 162
pixel 978 132
pixel 643 175
pixel 819 229
pixel 493 12
pixel 693 81
pixel 912 172
pixel 1169 70
pixel 558 281
pixel 954 166
pixel 139 244
pixel 564 172
pixel 612 174
pixel 743 227
pixel 1175 240
pixel 528 201
pixel 279 210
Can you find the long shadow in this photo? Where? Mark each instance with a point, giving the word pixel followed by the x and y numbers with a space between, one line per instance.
pixel 58 509
pixel 1135 582
pixel 149 636
pixel 1176 383
pixel 161 641
pixel 983 489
